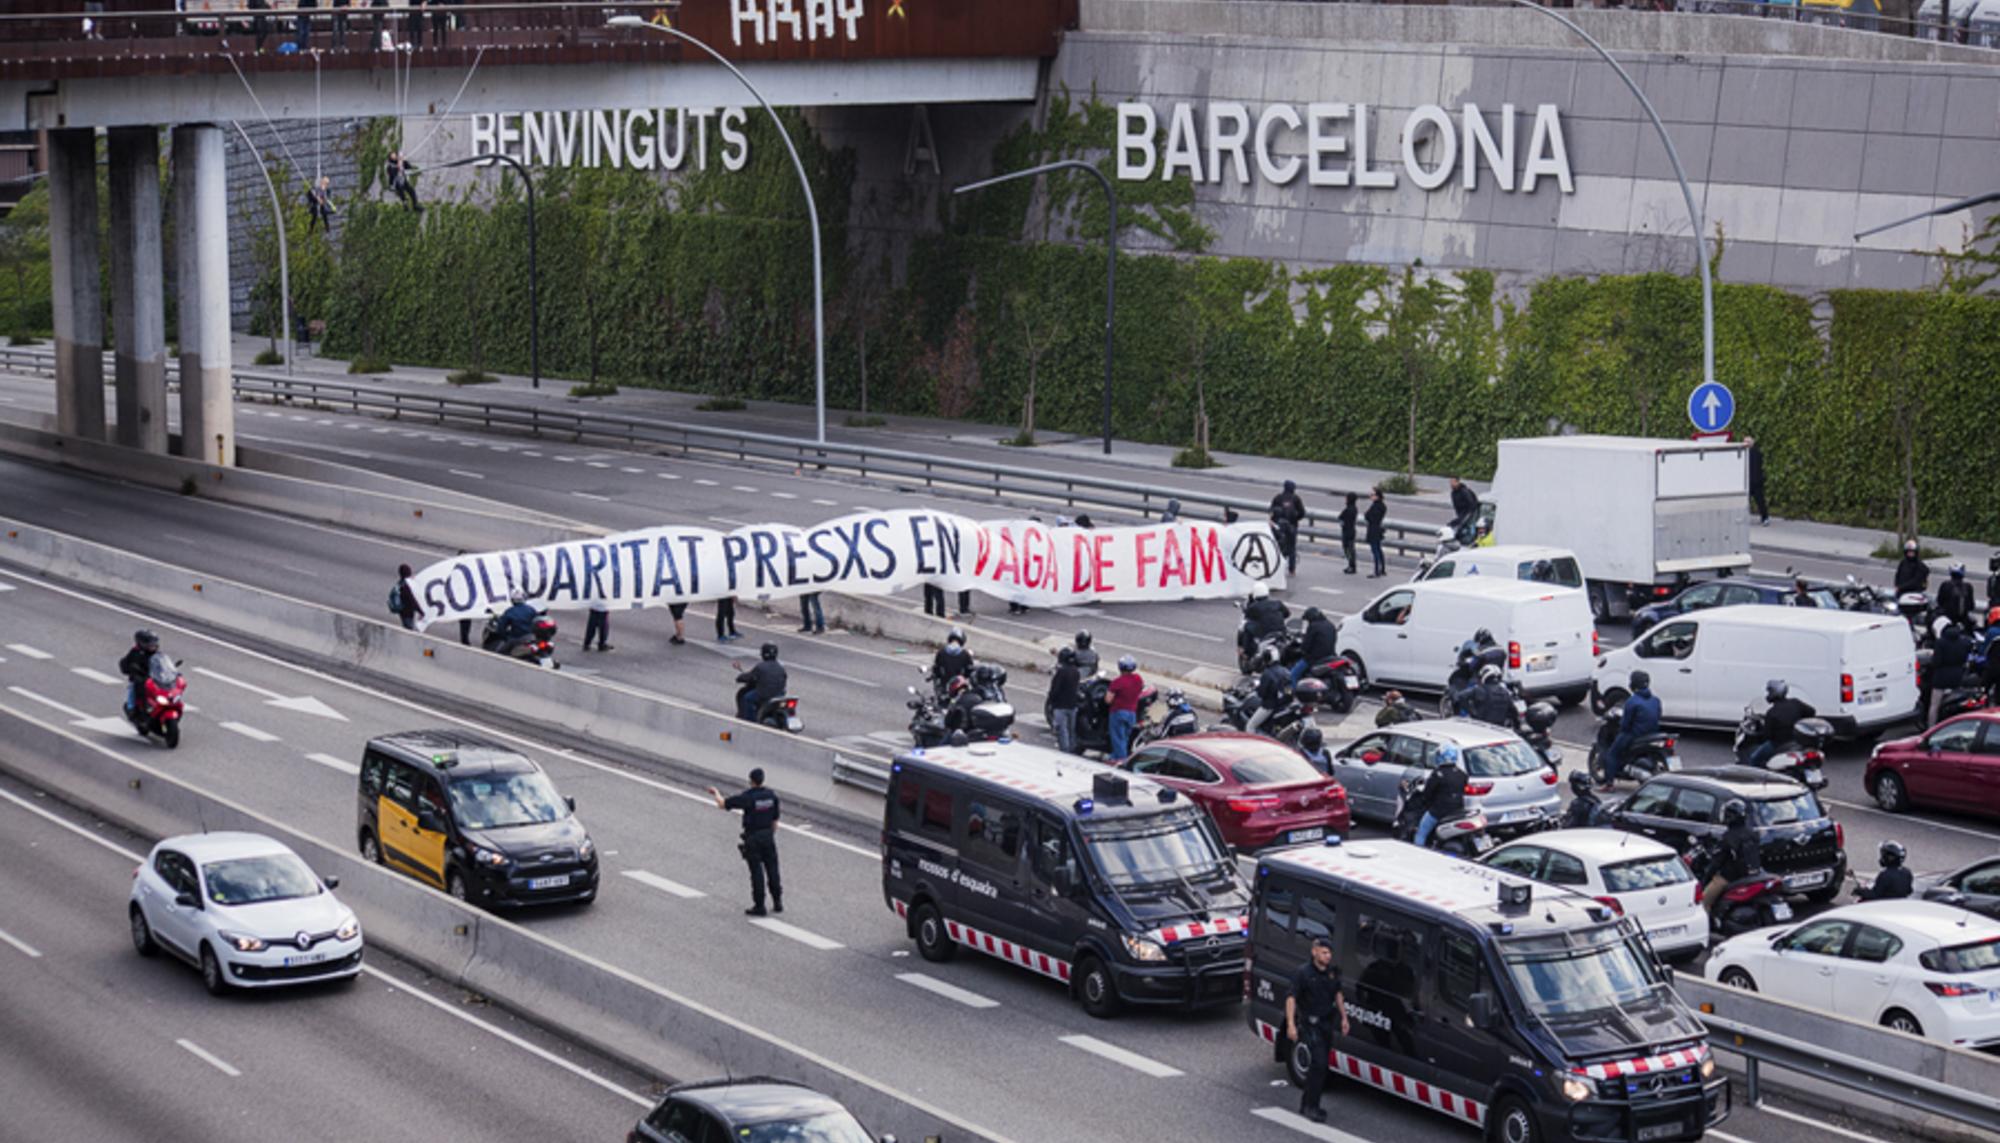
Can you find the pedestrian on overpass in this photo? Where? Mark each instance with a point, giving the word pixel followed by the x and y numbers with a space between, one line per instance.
pixel 407 608
pixel 305 23
pixel 679 612
pixel 260 24
pixel 759 846
pixel 1316 999
pixel 934 600
pixel 340 24
pixel 1377 510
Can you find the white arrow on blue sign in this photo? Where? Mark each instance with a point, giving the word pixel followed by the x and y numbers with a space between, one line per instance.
pixel 1711 407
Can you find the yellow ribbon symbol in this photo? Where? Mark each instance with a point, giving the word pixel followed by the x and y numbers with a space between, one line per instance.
pixel 896 9
pixel 660 18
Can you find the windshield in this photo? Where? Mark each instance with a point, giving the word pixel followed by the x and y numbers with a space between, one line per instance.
pixel 250 880
pixel 1650 873
pixel 1271 764
pixel 832 1127
pixel 1501 760
pixel 499 801
pixel 1138 857
pixel 1568 977
pixel 1979 957
pixel 1800 807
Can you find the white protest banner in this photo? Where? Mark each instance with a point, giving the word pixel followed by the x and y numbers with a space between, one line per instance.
pixel 868 553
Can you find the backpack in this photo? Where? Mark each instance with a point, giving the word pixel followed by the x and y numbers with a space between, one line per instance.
pixel 396 599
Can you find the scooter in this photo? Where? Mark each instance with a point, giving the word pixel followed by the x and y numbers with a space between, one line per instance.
pixel 1254 653
pixel 1093 717
pixel 538 646
pixel 1240 704
pixel 1802 759
pixel 1342 679
pixel 1468 835
pixel 158 714
pixel 1651 754
pixel 992 719
pixel 780 713
pixel 1538 723
pixel 1749 903
pixel 926 720
pixel 1857 596
pixel 1465 675
pixel 1181 718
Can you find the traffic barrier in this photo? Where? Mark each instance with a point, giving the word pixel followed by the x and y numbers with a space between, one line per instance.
pixel 612 1011
pixel 298 467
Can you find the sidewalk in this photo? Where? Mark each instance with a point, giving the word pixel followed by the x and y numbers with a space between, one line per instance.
pixel 1256 475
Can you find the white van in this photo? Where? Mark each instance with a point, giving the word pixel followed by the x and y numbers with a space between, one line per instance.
pixel 1409 635
pixel 1857 669
pixel 1509 561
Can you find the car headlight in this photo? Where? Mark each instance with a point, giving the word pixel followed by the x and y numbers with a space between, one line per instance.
pixel 243 942
pixel 349 929
pixel 1707 1067
pixel 587 850
pixel 1575 1090
pixel 1143 948
pixel 488 858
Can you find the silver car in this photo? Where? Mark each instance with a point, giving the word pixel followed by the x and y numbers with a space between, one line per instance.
pixel 1504 775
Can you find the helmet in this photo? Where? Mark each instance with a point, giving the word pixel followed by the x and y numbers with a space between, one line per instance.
pixel 1175 697
pixel 1993 616
pixel 1891 854
pixel 1776 689
pixel 1083 640
pixel 1483 637
pixel 1543 572
pixel 1489 674
pixel 768 652
pixel 1909 547
pixel 957 636
pixel 1735 812
pixel 1066 656
pixel 1447 755
pixel 1579 782
pixel 1313 614
pixel 1393 698
pixel 1127 663
pixel 1958 571
pixel 1641 680
pixel 144 637
pixel 1259 590
pixel 517 596
pixel 1311 739
pixel 1993 562
pixel 957 686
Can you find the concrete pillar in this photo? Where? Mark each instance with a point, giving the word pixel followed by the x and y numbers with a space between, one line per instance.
pixel 79 301
pixel 138 290
pixel 201 238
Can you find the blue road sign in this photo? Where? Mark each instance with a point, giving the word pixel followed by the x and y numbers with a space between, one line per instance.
pixel 1711 407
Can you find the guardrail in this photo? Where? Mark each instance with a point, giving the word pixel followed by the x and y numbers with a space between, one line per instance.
pixel 1092 493
pixel 861 775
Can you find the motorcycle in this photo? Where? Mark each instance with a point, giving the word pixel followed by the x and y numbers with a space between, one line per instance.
pixel 1958 700
pixel 1342 679
pixel 1467 835
pixel 1749 903
pixel 1465 676
pixel 1538 723
pixel 1288 721
pixel 1254 653
pixel 1857 596
pixel 993 716
pixel 538 646
pixel 1093 717
pixel 1181 718
pixel 158 714
pixel 1651 754
pixel 779 713
pixel 1802 759
pixel 1915 608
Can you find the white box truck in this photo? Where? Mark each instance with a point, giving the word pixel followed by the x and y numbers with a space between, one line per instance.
pixel 1644 517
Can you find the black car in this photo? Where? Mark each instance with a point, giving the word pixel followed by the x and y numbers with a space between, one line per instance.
pixel 757 1109
pixel 1799 842
pixel 1726 593
pixel 1975 886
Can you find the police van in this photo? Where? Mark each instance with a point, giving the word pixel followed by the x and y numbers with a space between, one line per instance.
pixel 1534 1013
pixel 1115 886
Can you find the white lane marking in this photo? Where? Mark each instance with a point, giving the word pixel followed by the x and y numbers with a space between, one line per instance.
pixel 249 732
pixel 1308 1128
pixel 72 827
pixel 596 464
pixel 741 488
pixel 25 948
pixel 97 676
pixel 1118 1055
pixel 27 652
pixel 1162 629
pixel 668 476
pixel 633 471
pixel 463 472
pixel 6 587
pixel 803 936
pixel 534 1050
pixel 785 495
pixel 1809 1121
pixel 296 570
pixel 1865 808
pixel 591 496
pixel 384 429
pixel 938 987
pixel 827 503
pixel 332 763
pixel 671 888
pixel 323 421
pixel 253 688
pixel 1329 591
pixel 531 452
pixel 706 483
pixel 48 702
pixel 201 1053
pixel 303 704
pixel 566 460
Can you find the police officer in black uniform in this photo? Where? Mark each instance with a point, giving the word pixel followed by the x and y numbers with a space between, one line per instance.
pixel 759 846
pixel 1310 1010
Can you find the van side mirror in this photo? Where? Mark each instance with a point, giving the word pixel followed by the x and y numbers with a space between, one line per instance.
pixel 571 803
pixel 1485 1013
pixel 331 882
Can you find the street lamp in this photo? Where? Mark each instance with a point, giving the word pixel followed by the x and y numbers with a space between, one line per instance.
pixel 812 207
pixel 1687 193
pixel 284 251
pixel 534 279
pixel 1947 208
pixel 1110 261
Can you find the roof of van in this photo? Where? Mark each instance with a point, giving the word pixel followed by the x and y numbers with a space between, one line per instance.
pixel 1050 776
pixel 1443 882
pixel 1594 442
pixel 1510 552
pixel 1492 587
pixel 1795 618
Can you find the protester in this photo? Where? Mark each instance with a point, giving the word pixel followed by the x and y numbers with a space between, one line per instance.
pixel 1757 479
pixel 598 625
pixel 319 200
pixel 812 617
pixel 1287 513
pixel 679 613
pixel 1348 516
pixel 397 173
pixel 339 23
pixel 1123 699
pixel 260 24
pixel 725 620
pixel 406 600
pixel 304 39
pixel 378 24
pixel 1065 695
pixel 1377 511
pixel 934 600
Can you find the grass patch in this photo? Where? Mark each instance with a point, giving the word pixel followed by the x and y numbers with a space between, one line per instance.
pixel 471 377
pixel 1892 549
pixel 23 339
pixel 721 405
pixel 1195 457
pixel 368 365
pixel 595 389
pixel 865 421
pixel 1019 440
pixel 1398 485
pixel 268 356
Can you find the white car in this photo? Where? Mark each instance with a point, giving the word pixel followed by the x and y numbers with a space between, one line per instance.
pixel 245 910
pixel 1916 966
pixel 1636 876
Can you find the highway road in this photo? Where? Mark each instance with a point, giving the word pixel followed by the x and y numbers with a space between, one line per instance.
pixel 106 1045
pixel 999 1048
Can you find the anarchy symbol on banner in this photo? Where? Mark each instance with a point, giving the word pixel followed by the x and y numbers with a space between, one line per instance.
pixel 1255 555
pixel 896 9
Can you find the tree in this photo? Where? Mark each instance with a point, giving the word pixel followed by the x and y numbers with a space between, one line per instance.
pixel 1416 322
pixel 24 251
pixel 1041 327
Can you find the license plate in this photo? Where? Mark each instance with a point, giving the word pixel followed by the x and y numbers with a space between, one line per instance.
pixel 555 882
pixel 1668 931
pixel 1542 663
pixel 1871 697
pixel 306 958
pixel 1350 682
pixel 1673 762
pixel 1299 835
pixel 1812 778
pixel 1782 910
pixel 1807 880
pixel 1662 1131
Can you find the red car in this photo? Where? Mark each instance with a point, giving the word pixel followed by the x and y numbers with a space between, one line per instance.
pixel 1259 791
pixel 1954 765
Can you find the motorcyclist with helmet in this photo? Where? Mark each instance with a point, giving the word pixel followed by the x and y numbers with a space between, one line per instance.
pixel 1913 575
pixel 1781 720
pixel 144 660
pixel 1266 616
pixel 1585 810
pixel 1894 883
pixel 1318 645
pixel 1395 710
pixel 1954 597
pixel 1121 696
pixel 1312 744
pixel 517 622
pixel 1740 855
pixel 1640 717
pixel 1949 656
pixel 761 683
pixel 952 660
pixel 1443 794
pixel 963 701
pixel 1274 692
pixel 1086 657
pixel 1491 702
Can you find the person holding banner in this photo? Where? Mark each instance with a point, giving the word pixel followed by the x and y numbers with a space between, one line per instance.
pixel 1123 698
pixel 725 620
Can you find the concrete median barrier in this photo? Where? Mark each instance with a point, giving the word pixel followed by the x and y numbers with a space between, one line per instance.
pixel 615 1012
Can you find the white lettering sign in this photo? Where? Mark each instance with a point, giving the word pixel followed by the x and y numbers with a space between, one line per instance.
pixel 643 140
pixel 794 21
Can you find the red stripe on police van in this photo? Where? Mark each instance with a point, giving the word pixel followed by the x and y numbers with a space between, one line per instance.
pixel 1008 951
pixel 1374 1075
pixel 1212 927
pixel 1666 1061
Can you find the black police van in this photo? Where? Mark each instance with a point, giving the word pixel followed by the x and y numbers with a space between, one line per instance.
pixel 1117 887
pixel 1529 1011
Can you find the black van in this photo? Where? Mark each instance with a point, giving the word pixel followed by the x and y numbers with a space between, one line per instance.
pixel 474 818
pixel 1118 887
pixel 1529 1011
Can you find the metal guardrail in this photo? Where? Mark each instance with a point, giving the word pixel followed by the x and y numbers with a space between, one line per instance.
pixel 918 469
pixel 861 775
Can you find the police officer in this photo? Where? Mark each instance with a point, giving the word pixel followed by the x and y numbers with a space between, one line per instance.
pixel 1894 883
pixel 759 846
pixel 1316 999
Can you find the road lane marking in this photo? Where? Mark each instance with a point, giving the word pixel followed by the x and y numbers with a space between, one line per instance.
pixel 668 476
pixel 531 452
pixel 671 888
pixel 303 704
pixel 785 495
pixel 1118 1055
pixel 25 948
pixel 706 483
pixel 1307 1127
pixel 333 763
pixel 97 676
pixel 803 936
pixel 48 702
pixel 938 987
pixel 463 472
pixel 566 460
pixel 1329 591
pixel 72 826
pixel 731 523
pixel 1865 808
pixel 827 503
pixel 741 488
pixel 27 652
pixel 6 587
pixel 1809 1121
pixel 633 471
pixel 249 732
pixel 595 464
pixel 591 496
pixel 203 1054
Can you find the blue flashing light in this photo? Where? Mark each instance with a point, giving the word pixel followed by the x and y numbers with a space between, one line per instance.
pixel 897 767
pixel 1332 839
pixel 1003 740
pixel 1084 806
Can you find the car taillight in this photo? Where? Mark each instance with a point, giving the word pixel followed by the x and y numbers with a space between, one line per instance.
pixel 1847 688
pixel 1612 904
pixel 1839 836
pixel 1750 890
pixel 1698 887
pixel 1596 646
pixel 791 706
pixel 1661 591
pixel 1952 988
pixel 1478 789
pixel 1549 778
pixel 1513 655
pixel 1250 805
pixel 1669 745
pixel 1812 757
